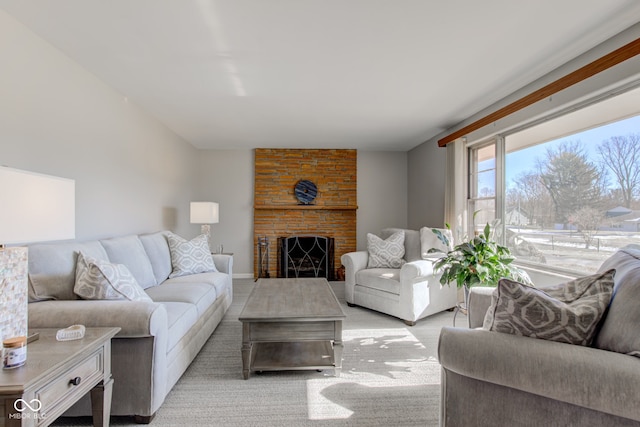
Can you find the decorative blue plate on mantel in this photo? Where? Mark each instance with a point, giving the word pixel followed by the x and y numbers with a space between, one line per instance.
pixel 306 191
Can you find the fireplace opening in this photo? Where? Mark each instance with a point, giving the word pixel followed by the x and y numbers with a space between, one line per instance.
pixel 305 256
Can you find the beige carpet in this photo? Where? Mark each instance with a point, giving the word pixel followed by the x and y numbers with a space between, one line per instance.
pixel 390 377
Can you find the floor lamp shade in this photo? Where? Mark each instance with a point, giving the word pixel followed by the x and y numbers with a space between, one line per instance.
pixel 35 208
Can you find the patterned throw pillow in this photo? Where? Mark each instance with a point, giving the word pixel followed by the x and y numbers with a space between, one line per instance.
pixel 190 257
pixel 429 240
pixel 568 313
pixel 99 280
pixel 386 253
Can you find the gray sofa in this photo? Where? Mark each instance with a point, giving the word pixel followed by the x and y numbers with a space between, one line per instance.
pixel 158 339
pixel 491 379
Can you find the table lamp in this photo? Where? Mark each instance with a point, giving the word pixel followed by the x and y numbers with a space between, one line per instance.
pixel 205 213
pixel 35 208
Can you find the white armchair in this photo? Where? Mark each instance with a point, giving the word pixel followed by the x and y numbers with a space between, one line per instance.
pixel 409 293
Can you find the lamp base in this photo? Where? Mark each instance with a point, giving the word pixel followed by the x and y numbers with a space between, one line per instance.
pixel 206 230
pixel 14 291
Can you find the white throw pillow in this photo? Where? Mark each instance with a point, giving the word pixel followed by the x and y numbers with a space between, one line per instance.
pixel 386 253
pixel 100 280
pixel 190 256
pixel 429 240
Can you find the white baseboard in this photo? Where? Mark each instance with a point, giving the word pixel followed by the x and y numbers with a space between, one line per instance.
pixel 242 276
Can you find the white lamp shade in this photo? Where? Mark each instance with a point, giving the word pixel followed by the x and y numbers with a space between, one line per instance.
pixel 35 207
pixel 204 213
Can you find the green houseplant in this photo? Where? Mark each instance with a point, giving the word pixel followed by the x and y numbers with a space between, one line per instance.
pixel 477 262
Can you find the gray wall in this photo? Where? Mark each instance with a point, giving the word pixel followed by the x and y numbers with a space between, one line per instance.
pixel 132 174
pixel 426 185
pixel 226 177
pixel 382 193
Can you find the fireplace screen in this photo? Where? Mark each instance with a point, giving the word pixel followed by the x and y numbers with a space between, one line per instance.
pixel 305 256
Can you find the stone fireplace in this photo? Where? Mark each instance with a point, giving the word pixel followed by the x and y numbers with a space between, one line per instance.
pixel 278 213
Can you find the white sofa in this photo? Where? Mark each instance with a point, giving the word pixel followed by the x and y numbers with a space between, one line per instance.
pixel 158 339
pixel 410 293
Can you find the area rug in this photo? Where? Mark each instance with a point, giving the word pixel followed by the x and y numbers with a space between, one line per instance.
pixel 390 377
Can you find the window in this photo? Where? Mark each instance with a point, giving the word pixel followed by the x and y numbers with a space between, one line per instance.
pixel 569 193
pixel 482 186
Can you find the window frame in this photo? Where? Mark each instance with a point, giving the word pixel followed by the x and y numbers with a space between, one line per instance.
pixel 499 139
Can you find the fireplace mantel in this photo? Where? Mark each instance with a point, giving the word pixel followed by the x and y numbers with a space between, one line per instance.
pixel 307 207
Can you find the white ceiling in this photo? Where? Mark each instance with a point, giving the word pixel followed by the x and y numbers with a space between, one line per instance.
pixel 364 74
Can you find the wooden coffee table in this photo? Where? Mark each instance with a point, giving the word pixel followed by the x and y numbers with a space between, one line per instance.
pixel 291 324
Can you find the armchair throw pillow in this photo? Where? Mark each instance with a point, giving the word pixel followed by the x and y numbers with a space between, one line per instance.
pixel 190 256
pixel 429 240
pixel 102 280
pixel 386 253
pixel 569 313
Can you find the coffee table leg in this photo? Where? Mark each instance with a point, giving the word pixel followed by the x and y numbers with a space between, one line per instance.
pixel 337 354
pixel 247 346
pixel 337 348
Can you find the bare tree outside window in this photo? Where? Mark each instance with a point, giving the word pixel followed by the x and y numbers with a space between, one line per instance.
pixel 587 220
pixel 621 156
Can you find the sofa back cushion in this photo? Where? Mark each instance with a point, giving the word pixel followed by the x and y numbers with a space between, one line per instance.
pixel 157 248
pixel 619 330
pixel 128 250
pixel 52 268
pixel 411 242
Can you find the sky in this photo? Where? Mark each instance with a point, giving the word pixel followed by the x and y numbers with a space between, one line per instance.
pixel 525 160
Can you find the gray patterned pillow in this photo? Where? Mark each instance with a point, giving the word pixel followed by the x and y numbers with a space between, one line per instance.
pixel 386 253
pixel 99 280
pixel 568 313
pixel 190 257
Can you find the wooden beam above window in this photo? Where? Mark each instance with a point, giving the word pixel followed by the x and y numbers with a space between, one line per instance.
pixel 619 55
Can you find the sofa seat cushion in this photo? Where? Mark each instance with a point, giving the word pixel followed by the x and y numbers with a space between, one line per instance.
pixel 382 279
pixel 219 280
pixel 52 268
pixel 181 316
pixel 128 250
pixel 199 293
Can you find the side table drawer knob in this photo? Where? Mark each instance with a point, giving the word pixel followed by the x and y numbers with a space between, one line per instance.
pixel 75 381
